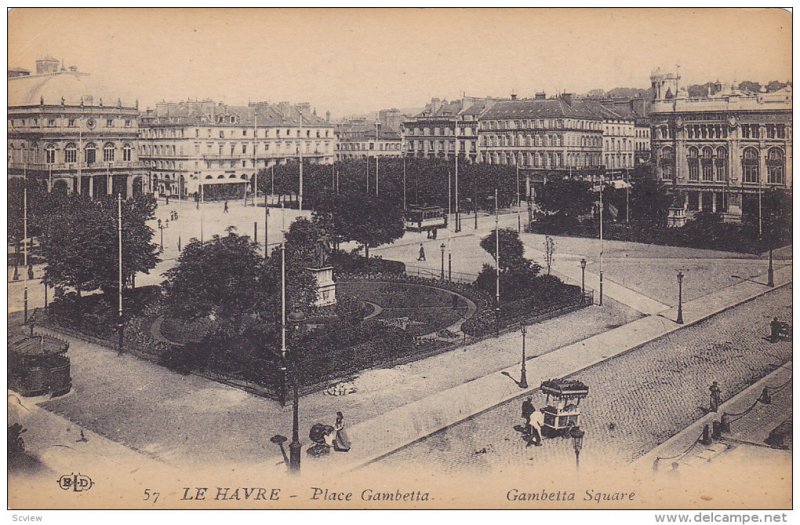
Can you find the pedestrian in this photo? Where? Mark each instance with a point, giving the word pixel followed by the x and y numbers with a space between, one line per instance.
pixel 341 443
pixel 537 420
pixel 435 232
pixel 421 253
pixel 225 209
pixel 716 398
pixel 775 329
pixel 527 410
pixel 167 200
pixel 30 272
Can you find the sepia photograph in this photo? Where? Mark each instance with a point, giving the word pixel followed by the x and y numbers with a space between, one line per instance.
pixel 400 258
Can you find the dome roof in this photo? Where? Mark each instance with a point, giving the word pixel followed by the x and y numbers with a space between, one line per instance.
pixel 72 86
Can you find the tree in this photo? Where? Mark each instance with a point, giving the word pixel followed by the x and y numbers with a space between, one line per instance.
pixel 220 278
pixel 549 252
pixel 517 274
pixel 567 197
pixel 650 201
pixel 79 241
pixel 363 218
pixel 511 248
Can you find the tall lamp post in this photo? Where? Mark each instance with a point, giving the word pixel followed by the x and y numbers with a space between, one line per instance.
pixel 523 376
pixel 120 322
pixel 601 239
pixel 770 271
pixel 577 444
pixel 497 267
pixel 296 319
pixel 161 227
pixel 442 247
pixel 679 320
pixel 583 281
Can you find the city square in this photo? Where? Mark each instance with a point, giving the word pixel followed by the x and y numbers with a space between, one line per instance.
pixel 502 288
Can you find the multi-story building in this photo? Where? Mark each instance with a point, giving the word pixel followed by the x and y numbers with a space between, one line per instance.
pixel 554 134
pixel 718 152
pixel 636 109
pixel 67 136
pixel 444 128
pixel 619 137
pixel 202 145
pixel 357 139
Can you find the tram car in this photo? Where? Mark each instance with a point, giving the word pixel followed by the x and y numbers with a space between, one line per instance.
pixel 564 412
pixel 425 218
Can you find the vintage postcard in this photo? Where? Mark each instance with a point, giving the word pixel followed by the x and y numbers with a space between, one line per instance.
pixel 400 259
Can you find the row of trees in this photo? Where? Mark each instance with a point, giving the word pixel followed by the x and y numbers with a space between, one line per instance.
pixel 426 181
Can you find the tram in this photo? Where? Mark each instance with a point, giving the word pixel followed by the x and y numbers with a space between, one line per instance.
pixel 563 413
pixel 425 218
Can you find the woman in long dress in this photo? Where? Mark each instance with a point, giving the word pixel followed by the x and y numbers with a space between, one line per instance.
pixel 341 442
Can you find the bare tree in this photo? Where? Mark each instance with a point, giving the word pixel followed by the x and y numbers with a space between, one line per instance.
pixel 549 251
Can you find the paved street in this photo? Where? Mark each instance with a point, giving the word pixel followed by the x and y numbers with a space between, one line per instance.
pixel 636 401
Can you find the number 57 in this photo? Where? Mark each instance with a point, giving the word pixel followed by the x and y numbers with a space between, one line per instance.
pixel 148 495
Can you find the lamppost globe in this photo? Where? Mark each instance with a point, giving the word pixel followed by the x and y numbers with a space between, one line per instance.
pixel 583 264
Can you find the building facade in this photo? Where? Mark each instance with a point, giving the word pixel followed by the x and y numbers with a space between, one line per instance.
pixel 209 149
pixel 65 136
pixel 557 134
pixel 719 152
pixel 357 139
pixel 444 129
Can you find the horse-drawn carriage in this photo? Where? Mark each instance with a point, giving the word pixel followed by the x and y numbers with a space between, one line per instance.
pixel 564 412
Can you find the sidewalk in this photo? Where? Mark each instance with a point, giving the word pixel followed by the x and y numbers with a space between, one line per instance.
pixel 400 427
pixel 58 445
pixel 751 428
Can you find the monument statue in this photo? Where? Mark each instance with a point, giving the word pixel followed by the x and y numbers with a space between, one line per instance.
pixel 322 250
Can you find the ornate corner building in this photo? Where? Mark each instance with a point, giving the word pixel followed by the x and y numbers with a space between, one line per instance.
pixel 718 153
pixel 65 136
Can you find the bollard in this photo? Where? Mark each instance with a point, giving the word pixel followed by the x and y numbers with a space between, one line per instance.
pixel 716 430
pixel 706 439
pixel 725 423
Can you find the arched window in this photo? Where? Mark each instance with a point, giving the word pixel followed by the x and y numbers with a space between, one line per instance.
pixel 694 165
pixel 708 164
pixel 667 163
pixel 50 154
pixel 775 166
pixel 70 153
pixel 91 154
pixel 750 166
pixel 126 152
pixel 721 164
pixel 108 152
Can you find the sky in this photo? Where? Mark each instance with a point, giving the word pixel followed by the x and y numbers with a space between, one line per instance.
pixel 352 61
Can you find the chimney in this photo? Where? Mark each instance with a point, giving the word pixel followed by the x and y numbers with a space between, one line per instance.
pixel 513 96
pixel 540 95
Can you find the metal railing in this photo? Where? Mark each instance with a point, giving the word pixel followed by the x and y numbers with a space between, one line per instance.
pixel 436 273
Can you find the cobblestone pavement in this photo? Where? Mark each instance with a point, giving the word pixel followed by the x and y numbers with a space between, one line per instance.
pixel 636 400
pixel 180 419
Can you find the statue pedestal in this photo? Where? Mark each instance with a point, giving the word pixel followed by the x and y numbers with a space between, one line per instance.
pixel 325 286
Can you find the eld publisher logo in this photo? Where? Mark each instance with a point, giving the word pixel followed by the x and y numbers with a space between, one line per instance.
pixel 75 482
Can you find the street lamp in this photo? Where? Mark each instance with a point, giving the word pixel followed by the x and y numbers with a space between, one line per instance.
pixel 442 247
pixel 679 320
pixel 770 271
pixel 577 443
pixel 583 281
pixel 296 319
pixel 523 377
pixel 161 227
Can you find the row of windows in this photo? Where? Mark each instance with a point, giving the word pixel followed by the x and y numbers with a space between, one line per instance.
pixel 245 132
pixel 444 131
pixel 542 159
pixel 440 145
pixel 619 130
pixel 717 131
pixel 71 122
pixel 70 153
pixel 643 133
pixel 541 124
pixel 709 165
pixel 361 146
